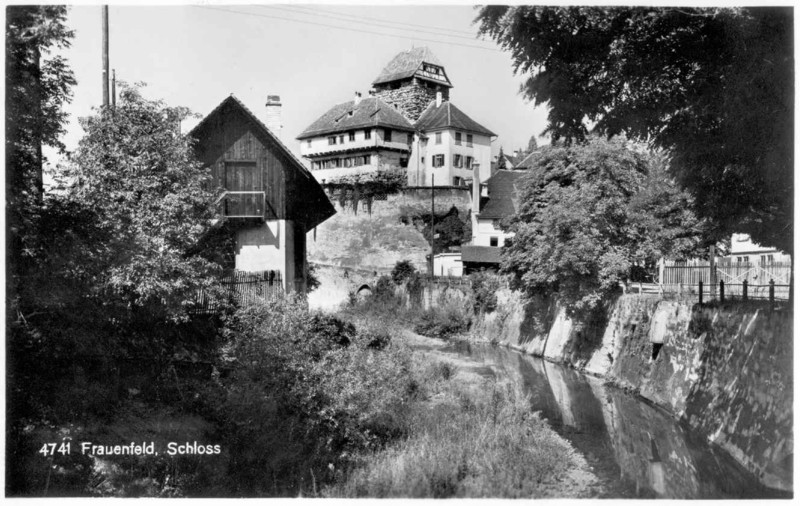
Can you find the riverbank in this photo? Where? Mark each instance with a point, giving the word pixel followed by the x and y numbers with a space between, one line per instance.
pixel 724 370
pixel 477 437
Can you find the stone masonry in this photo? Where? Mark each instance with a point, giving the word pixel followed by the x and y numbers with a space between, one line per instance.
pixel 411 98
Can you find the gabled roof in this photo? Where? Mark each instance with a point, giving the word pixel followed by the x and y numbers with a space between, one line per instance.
pixel 448 115
pixel 316 206
pixel 502 195
pixel 406 63
pixel 527 162
pixel 370 111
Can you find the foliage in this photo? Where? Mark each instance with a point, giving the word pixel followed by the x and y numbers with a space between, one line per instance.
pixel 312 279
pixel 712 86
pixel 150 204
pixel 384 289
pixel 586 218
pixel 402 271
pixel 367 186
pixel 484 289
pixel 533 145
pixel 305 395
pixel 501 160
pixel 38 85
pixel 449 315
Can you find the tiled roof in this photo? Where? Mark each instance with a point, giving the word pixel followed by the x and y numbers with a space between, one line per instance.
pixel 502 195
pixel 370 111
pixel 448 115
pixel 480 254
pixel 406 63
pixel 526 162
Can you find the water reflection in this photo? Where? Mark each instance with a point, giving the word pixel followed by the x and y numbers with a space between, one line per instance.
pixel 636 449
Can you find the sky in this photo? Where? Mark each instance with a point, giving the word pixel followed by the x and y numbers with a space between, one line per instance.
pixel 312 56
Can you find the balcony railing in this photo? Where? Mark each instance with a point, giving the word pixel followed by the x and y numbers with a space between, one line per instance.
pixel 244 204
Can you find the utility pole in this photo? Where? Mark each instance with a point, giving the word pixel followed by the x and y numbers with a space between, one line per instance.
pixel 432 236
pixel 105 56
pixel 114 88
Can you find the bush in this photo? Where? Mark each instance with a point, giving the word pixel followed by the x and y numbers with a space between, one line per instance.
pixel 402 271
pixel 305 395
pixel 484 287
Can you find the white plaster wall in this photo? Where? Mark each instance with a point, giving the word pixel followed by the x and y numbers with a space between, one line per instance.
pixel 448 265
pixel 485 230
pixel 320 144
pixel 269 247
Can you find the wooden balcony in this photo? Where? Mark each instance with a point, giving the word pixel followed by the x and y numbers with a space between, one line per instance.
pixel 244 204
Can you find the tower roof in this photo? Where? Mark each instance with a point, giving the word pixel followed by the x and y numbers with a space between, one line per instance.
pixel 448 115
pixel 370 111
pixel 410 63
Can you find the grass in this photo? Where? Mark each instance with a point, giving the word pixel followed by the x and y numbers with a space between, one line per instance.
pixel 461 445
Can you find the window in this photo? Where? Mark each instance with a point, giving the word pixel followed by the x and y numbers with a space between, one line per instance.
pixel 469 140
pixel 365 159
pixel 348 162
pixel 367 134
pixel 404 162
pixel 308 143
pixel 341 139
pixel 438 160
pixel 496 224
pixel 422 160
pixel 438 137
pixel 410 138
pixel 457 181
pixel 468 163
pixel 458 138
pixel 331 140
pixel 493 241
pixel 457 159
pixel 352 136
pixel 387 135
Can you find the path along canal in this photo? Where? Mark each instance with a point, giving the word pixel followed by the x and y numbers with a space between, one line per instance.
pixel 636 450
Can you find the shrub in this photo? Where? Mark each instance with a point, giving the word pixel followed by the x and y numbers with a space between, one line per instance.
pixel 304 392
pixel 402 271
pixel 484 287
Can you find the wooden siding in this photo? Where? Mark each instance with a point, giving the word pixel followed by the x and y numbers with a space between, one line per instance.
pixel 233 145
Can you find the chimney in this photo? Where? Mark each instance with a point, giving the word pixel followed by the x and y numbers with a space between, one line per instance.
pixel 357 98
pixel 438 98
pixel 274 115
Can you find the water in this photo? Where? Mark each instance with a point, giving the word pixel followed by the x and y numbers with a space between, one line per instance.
pixel 636 449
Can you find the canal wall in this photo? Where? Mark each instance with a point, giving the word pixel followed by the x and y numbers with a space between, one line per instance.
pixel 725 370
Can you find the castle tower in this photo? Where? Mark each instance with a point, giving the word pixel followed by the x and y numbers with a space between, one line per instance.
pixel 410 82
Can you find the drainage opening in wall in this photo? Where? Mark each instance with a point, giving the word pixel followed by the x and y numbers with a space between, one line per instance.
pixel 656 349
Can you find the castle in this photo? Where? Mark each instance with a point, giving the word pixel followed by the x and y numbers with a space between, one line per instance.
pixel 407 123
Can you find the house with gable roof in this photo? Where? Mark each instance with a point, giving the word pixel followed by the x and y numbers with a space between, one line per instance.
pixel 268 196
pixel 407 123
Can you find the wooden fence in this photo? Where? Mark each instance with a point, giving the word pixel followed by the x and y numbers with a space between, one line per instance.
pixel 758 278
pixel 242 289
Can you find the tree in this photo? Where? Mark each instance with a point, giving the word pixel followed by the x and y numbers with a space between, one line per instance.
pixel 38 84
pixel 150 202
pixel 533 145
pixel 589 215
pixel 501 160
pixel 712 86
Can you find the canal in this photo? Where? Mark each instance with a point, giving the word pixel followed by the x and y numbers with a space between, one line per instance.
pixel 637 450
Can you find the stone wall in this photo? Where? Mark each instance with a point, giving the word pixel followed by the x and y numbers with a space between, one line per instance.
pixel 377 240
pixel 411 98
pixel 725 370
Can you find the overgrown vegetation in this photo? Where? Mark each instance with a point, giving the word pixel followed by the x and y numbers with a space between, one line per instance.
pixel 590 216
